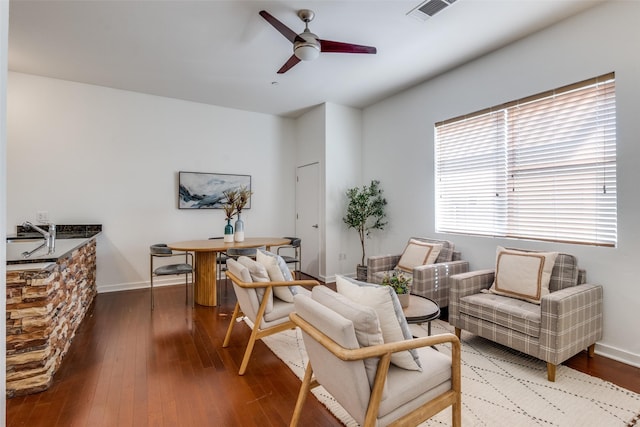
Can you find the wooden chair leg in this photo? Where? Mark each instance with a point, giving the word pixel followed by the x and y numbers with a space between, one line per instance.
pixel 458 332
pixel 456 414
pixel 249 350
pixel 591 350
pixel 227 337
pixel 302 396
pixel 551 372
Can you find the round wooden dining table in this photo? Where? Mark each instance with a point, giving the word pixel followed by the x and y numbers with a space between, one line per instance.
pixel 206 253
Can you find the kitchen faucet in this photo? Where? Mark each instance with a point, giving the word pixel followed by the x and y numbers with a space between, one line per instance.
pixel 49 236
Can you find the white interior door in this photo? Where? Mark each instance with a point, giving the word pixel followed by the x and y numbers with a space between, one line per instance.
pixel 307 217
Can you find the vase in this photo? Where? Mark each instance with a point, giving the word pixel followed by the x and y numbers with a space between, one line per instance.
pixel 361 272
pixel 239 234
pixel 228 232
pixel 404 300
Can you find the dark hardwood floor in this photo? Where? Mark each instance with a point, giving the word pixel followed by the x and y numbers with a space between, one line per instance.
pixel 129 366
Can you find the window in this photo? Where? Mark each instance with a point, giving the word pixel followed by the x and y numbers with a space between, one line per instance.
pixel 542 167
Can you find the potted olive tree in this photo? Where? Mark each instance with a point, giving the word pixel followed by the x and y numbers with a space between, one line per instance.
pixel 365 212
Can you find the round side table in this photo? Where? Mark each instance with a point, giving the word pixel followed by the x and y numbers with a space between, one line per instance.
pixel 421 310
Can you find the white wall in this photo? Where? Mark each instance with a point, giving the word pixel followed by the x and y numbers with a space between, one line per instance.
pixel 89 154
pixel 398 148
pixel 343 154
pixel 331 135
pixel 4 37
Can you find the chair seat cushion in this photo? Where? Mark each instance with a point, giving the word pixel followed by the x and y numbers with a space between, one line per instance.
pixel 405 386
pixel 511 313
pixel 173 269
pixel 281 309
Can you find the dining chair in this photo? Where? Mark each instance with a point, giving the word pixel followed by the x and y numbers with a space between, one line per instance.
pixel 160 250
pixel 295 245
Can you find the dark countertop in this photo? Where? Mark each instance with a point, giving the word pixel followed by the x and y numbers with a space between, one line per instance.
pixel 63 231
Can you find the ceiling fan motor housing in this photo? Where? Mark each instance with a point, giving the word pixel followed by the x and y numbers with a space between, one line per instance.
pixel 309 49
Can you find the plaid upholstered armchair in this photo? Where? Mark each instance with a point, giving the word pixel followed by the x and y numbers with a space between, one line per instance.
pixel 551 324
pixel 429 278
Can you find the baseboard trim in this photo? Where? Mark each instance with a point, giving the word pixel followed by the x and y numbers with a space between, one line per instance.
pixel 139 285
pixel 618 354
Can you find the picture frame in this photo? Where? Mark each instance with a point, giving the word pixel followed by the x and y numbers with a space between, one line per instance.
pixel 200 190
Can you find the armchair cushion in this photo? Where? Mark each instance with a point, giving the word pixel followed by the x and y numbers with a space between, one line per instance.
pixel 522 274
pixel 278 272
pixel 418 252
pixel 365 322
pixel 258 273
pixel 512 313
pixel 393 324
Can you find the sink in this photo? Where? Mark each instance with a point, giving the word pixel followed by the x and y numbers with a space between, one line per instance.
pixel 23 240
pixel 25 248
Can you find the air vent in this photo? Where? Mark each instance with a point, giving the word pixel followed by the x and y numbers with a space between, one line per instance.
pixel 429 8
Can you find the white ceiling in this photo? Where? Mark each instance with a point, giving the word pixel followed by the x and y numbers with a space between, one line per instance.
pixel 223 53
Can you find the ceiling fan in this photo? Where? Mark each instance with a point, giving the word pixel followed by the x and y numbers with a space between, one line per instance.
pixel 306 45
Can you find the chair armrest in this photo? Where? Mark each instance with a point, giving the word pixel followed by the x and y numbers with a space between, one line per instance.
pixel 381 263
pixel 464 284
pixel 571 321
pixel 374 350
pixel 242 284
pixel 469 283
pixel 442 269
pixel 432 280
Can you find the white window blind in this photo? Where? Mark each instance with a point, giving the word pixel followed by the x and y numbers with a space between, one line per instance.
pixel 542 168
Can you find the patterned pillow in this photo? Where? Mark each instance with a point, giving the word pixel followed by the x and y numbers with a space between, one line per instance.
pixel 278 272
pixel 258 273
pixel 523 275
pixel 385 302
pixel 418 253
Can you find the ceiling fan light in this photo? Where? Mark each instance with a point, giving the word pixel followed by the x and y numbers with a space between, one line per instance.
pixel 307 51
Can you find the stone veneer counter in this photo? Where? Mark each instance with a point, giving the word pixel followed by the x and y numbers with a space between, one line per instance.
pixel 47 300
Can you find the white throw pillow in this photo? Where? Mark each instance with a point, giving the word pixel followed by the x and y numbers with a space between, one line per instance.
pixel 393 324
pixel 418 253
pixel 278 272
pixel 523 275
pixel 258 274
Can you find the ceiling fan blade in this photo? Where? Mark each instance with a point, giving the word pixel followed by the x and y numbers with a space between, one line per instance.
pixel 339 47
pixel 289 64
pixel 283 29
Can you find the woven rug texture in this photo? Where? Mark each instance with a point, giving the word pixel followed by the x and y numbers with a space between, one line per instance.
pixel 500 387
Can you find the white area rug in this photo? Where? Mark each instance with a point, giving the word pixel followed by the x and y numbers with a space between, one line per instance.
pixel 501 387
